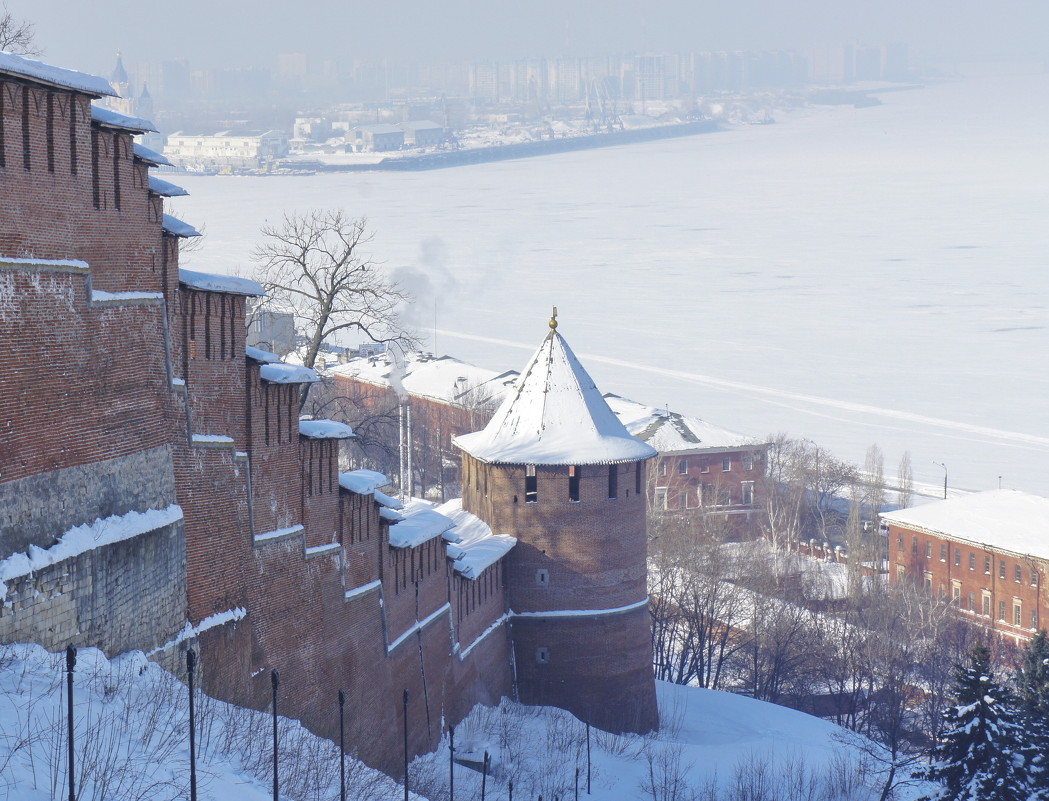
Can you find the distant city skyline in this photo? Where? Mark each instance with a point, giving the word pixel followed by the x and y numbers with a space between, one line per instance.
pixel 235 33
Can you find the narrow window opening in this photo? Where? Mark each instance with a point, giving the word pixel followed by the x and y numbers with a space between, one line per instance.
pixel 531 484
pixel 542 578
pixel 573 483
pixel 542 655
pixel 682 467
pixel 613 481
pixel 637 477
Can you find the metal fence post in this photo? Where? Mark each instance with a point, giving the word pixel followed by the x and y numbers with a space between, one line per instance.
pixel 451 763
pixel 588 759
pixel 191 663
pixel 275 681
pixel 405 745
pixel 342 746
pixel 70 664
pixel 484 774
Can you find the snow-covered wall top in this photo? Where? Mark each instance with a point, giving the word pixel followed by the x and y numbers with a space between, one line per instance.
pixel 173 225
pixel 1006 519
pixel 477 548
pixel 164 188
pixel 556 416
pixel 325 429
pixel 113 119
pixel 363 482
pixel 421 524
pixel 287 374
pixel 55 76
pixel 151 156
pixel 229 284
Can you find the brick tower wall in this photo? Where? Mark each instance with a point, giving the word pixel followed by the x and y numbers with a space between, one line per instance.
pixel 574 556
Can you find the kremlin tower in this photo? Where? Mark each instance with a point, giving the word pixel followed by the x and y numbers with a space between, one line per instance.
pixel 556 469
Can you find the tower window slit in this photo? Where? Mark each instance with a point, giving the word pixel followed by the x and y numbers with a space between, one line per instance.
pixel 613 481
pixel 573 482
pixel 531 484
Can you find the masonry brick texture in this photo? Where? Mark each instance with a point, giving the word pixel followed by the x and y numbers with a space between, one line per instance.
pixel 104 403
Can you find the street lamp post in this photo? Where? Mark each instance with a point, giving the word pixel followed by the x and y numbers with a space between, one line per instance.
pixel 944 478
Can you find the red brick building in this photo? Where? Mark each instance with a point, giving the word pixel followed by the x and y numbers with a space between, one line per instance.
pixel 988 552
pixel 149 460
pixel 700 468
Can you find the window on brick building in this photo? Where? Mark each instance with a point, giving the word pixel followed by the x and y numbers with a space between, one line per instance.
pixel 682 467
pixel 724 497
pixel 972 601
pixel 1034 578
pixel 956 593
pixel 987 565
pixel 1018 574
pixel 531 484
pixel 928 583
pixel 928 550
pixel 748 492
pixel 957 557
pixel 637 477
pixel 662 468
pixel 542 577
pixel 726 464
pixel 1034 619
pixel 748 461
pixel 943 553
pixel 613 481
pixel 573 482
pixel 542 655
pixel 1001 569
pixel 914 545
pixel 986 603
pixel 683 499
pixel 1018 617
pixel 899 541
pixel 661 498
pixel 1001 610
pixel 704 468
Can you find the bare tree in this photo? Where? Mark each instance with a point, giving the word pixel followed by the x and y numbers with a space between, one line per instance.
pixel 906 481
pixel 17 35
pixel 314 265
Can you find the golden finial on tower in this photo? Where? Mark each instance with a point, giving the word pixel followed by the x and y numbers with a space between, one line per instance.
pixel 553 320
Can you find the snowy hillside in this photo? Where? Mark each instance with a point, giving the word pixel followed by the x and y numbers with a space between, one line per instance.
pixel 132 735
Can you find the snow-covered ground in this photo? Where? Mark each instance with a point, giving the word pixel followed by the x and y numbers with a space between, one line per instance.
pixel 848 275
pixel 132 742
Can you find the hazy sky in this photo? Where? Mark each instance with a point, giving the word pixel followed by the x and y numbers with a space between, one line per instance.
pixel 85 35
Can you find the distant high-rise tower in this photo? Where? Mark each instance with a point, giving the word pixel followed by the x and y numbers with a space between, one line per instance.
pixel 556 468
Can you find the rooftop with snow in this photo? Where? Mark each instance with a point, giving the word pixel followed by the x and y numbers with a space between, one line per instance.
pixel 1005 519
pixel 449 380
pixel 555 416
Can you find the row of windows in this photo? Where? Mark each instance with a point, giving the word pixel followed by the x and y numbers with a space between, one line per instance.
pixel 726 465
pixel 706 495
pixel 985 605
pixel 575 475
pixel 988 564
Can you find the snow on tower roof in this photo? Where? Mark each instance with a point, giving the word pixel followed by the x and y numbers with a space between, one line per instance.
pixel 556 416
pixel 55 76
pixel 1005 519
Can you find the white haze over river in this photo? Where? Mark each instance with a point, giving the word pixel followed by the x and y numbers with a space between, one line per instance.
pixel 854 276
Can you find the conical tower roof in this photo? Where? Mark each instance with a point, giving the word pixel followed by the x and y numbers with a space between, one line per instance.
pixel 556 416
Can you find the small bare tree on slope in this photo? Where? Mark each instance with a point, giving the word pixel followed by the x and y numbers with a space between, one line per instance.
pixel 314 265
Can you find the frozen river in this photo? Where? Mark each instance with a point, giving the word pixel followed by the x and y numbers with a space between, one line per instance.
pixel 853 276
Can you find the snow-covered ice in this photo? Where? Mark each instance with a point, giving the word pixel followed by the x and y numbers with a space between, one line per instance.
pixel 847 275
